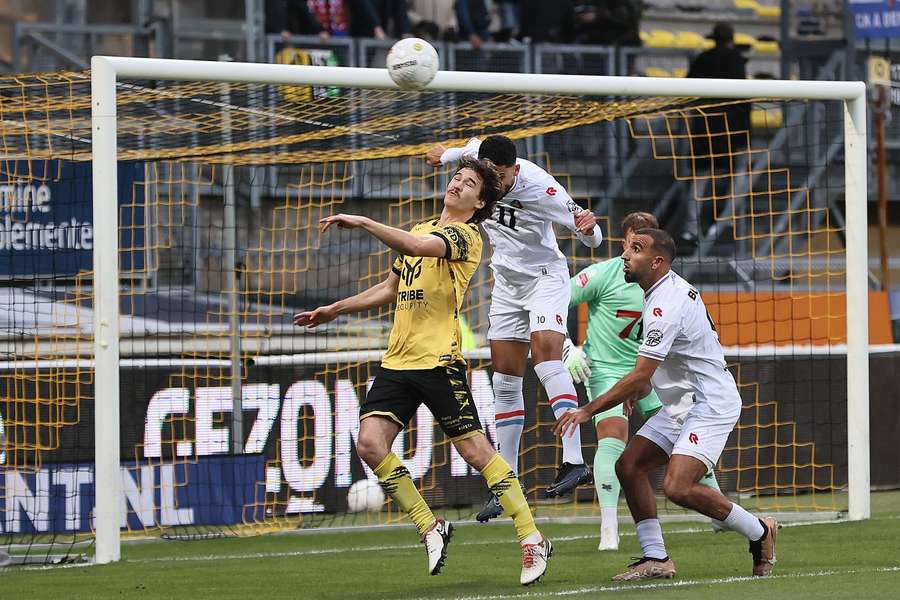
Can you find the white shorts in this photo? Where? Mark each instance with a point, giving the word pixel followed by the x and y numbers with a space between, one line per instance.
pixel 540 303
pixel 703 434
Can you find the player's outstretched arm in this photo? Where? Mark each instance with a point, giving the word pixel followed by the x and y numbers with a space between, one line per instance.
pixel 403 242
pixel 441 155
pixel 627 388
pixel 378 295
pixel 556 204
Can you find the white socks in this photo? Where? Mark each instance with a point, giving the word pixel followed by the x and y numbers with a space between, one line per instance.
pixel 609 519
pixel 744 522
pixel 561 392
pixel 649 534
pixel 509 406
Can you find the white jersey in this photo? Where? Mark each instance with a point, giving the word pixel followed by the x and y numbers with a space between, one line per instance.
pixel 679 332
pixel 521 228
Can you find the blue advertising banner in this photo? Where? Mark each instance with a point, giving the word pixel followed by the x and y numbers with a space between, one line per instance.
pixel 209 490
pixel 46 218
pixel 876 18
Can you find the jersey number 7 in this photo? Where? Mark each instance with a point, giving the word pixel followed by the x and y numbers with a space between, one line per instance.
pixel 635 316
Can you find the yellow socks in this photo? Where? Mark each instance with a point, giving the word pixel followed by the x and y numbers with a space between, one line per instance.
pixel 396 482
pixel 505 485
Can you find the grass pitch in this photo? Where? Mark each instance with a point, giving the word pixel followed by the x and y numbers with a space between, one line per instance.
pixel 825 560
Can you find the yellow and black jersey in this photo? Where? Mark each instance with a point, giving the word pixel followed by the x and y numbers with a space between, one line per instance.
pixel 426 317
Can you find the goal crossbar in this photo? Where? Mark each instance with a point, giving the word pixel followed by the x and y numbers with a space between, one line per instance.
pixel 106 71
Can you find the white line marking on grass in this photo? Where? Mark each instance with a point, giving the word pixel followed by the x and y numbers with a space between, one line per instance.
pixel 663 585
pixel 382 547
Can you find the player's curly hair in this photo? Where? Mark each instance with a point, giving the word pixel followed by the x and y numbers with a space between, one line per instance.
pixel 491 186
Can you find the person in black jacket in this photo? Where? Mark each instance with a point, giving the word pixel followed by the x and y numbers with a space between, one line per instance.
pixel 724 61
pixel 720 135
pixel 290 17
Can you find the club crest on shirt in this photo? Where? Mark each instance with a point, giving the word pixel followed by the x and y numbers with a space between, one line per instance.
pixel 653 337
pixel 582 279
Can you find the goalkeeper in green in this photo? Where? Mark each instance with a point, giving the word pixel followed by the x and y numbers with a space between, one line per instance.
pixel 614 332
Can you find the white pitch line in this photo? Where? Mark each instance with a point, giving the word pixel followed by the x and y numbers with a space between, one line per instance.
pixel 662 585
pixel 384 547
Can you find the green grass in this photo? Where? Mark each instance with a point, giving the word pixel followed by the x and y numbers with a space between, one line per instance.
pixel 828 560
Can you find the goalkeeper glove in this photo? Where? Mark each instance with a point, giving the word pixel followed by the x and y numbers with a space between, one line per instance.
pixel 576 362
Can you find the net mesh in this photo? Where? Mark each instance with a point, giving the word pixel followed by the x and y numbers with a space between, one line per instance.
pixel 197 294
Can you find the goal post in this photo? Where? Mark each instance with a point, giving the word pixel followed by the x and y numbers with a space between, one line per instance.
pixel 107 71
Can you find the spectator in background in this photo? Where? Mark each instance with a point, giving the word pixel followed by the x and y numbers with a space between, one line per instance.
pixel 375 18
pixel 723 61
pixel 433 19
pixel 474 21
pixel 546 22
pixel 292 17
pixel 608 22
pixel 332 16
pixel 508 11
pixel 719 135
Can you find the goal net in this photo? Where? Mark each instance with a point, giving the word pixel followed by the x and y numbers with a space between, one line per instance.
pixel 152 382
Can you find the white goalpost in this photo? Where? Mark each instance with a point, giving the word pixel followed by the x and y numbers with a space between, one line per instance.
pixel 107 71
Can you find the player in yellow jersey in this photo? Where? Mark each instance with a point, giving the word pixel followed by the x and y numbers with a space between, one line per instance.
pixel 424 362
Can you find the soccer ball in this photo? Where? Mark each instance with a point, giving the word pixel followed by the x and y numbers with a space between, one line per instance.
pixel 365 494
pixel 412 63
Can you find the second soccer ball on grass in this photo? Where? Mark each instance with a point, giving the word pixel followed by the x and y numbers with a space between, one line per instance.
pixel 365 495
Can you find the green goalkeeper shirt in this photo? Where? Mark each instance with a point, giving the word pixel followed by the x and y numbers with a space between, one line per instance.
pixel 614 328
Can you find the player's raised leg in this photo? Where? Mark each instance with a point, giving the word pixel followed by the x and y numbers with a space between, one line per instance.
pixel 682 486
pixel 376 434
pixel 450 401
pixel 639 459
pixel 536 549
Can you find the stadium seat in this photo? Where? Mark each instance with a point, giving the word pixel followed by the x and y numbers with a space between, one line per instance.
pixel 768 12
pixel 766 46
pixel 659 38
pixel 744 39
pixel 692 40
pixel 679 72
pixel 766 118
pixel 656 72
pixel 746 5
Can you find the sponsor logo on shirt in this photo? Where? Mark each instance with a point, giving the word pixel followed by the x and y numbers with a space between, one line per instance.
pixel 559 319
pixel 657 312
pixel 582 279
pixel 411 271
pixel 551 191
pixel 653 337
pixel 692 438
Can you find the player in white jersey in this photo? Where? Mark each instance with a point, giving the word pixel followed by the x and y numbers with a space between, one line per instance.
pixel 680 354
pixel 530 299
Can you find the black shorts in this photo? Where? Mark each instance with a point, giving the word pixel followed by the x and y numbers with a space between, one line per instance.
pixel 444 390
